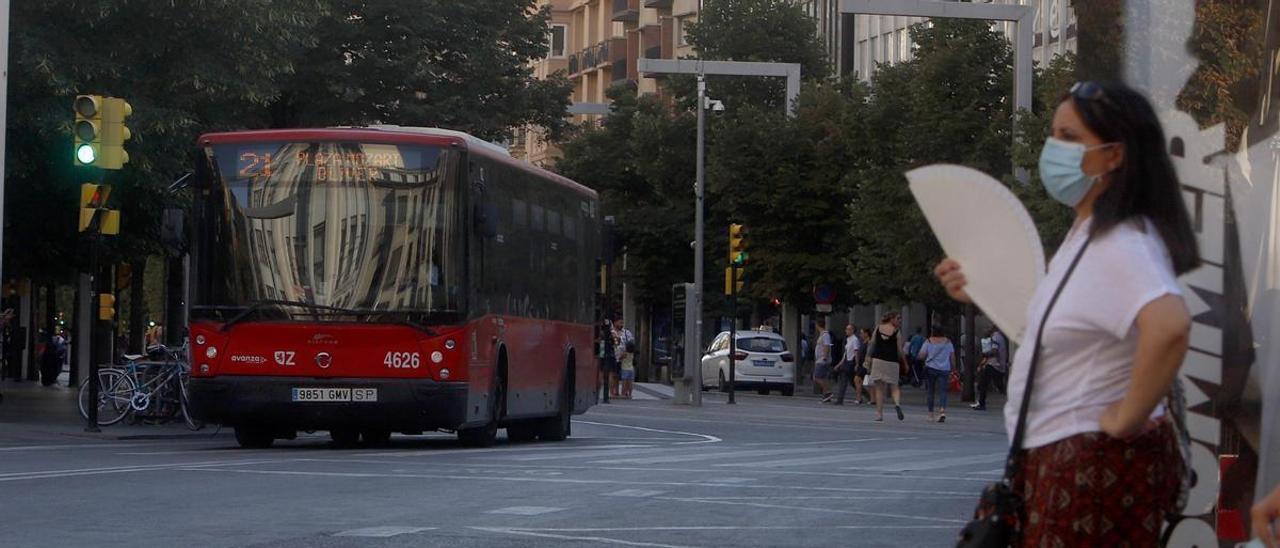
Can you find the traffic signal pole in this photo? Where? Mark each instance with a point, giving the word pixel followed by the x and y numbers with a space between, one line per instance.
pixel 733 330
pixel 95 345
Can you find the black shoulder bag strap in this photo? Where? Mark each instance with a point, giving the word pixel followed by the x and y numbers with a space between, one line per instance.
pixel 1015 449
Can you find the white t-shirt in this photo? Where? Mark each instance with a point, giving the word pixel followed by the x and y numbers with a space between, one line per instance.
pixel 824 348
pixel 851 349
pixel 1090 339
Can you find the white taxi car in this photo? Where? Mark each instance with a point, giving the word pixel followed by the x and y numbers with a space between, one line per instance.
pixel 761 358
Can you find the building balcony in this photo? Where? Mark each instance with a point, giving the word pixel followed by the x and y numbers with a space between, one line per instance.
pixel 626 10
pixel 600 55
pixel 658 4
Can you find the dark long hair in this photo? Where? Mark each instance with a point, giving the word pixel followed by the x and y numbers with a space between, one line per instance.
pixel 1145 185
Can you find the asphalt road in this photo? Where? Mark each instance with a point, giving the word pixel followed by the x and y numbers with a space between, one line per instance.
pixel 770 471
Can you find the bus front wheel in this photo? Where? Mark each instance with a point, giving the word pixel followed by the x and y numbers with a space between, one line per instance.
pixel 557 428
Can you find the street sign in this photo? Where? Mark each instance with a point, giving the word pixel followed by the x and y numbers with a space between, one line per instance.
pixel 824 294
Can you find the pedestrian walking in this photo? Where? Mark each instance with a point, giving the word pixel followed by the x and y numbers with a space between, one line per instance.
pixel 939 357
pixel 886 364
pixel 913 351
pixel 845 368
pixel 622 340
pixel 991 370
pixel 1107 331
pixel 860 372
pixel 626 355
pixel 608 359
pixel 822 361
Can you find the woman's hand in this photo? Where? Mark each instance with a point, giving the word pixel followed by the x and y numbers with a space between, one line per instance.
pixel 1266 519
pixel 1118 423
pixel 952 279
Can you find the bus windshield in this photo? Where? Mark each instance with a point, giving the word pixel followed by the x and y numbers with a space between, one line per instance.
pixel 353 226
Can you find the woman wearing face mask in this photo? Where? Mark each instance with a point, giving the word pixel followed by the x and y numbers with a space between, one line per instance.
pixel 1099 463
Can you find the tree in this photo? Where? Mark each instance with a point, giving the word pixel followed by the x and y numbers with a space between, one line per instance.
pixel 641 160
pixel 460 65
pixel 948 104
pixel 754 30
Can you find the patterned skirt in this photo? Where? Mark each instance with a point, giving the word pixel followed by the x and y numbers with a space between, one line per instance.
pixel 1095 490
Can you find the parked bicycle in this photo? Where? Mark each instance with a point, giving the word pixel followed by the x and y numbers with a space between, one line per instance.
pixel 153 389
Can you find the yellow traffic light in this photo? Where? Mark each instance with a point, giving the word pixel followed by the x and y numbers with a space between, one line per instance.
pixel 106 306
pixel 732 285
pixel 88 129
pixel 737 244
pixel 114 133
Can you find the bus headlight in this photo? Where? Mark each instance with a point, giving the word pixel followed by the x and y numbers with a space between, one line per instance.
pixel 437 357
pixel 444 374
pixel 211 352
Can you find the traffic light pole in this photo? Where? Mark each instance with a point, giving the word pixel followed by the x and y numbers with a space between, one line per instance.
pixel 733 330
pixel 91 424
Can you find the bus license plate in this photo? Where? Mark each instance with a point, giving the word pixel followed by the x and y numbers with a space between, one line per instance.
pixel 335 394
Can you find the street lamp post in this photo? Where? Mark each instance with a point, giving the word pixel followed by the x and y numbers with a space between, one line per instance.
pixel 700 68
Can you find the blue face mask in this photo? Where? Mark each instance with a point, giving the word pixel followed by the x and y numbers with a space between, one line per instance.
pixel 1062 173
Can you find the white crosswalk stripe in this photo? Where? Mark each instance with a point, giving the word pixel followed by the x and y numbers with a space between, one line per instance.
pixel 690 457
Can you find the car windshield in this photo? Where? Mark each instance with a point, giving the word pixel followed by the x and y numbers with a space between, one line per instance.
pixel 360 226
pixel 762 344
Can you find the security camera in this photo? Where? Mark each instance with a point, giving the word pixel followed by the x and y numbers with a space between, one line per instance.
pixel 693 244
pixel 715 105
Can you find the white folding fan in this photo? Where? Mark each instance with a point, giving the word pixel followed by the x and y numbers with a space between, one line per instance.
pixel 984 227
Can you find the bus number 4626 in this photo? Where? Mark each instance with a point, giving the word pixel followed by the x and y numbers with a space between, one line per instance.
pixel 402 360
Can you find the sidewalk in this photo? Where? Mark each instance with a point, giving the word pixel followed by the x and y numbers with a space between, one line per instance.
pixel 30 412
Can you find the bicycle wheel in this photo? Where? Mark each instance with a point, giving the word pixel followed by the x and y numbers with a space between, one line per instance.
pixel 115 390
pixel 185 403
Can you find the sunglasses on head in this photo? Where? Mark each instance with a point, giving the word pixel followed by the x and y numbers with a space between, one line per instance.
pixel 1090 91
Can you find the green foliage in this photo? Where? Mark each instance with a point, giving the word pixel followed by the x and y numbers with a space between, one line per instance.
pixel 753 30
pixel 460 65
pixel 641 160
pixel 948 104
pixel 211 65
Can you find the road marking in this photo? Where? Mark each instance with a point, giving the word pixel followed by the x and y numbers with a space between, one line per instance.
pixel 706 438
pixel 826 442
pixel 712 471
pixel 49 474
pixel 848 457
pixel 108 445
pixel 640 493
pixel 812 509
pixel 526 510
pixel 588 453
pixel 386 531
pixel 452 450
pixel 731 528
pixel 546 480
pixel 907 466
pixel 603 540
pixel 690 457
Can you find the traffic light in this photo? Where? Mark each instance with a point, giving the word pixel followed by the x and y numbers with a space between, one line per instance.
pixel 733 280
pixel 737 244
pixel 114 133
pixel 106 306
pixel 88 129
pixel 94 215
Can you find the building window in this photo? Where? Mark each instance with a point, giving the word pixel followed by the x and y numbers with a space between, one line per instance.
pixel 682 31
pixel 559 33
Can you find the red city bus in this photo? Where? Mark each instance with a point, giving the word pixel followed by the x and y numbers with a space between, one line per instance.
pixel 388 279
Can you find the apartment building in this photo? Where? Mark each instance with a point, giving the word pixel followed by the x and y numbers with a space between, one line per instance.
pixel 856 43
pixel 596 43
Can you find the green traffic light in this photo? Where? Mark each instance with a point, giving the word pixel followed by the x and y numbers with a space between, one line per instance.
pixel 85 154
pixel 740 258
